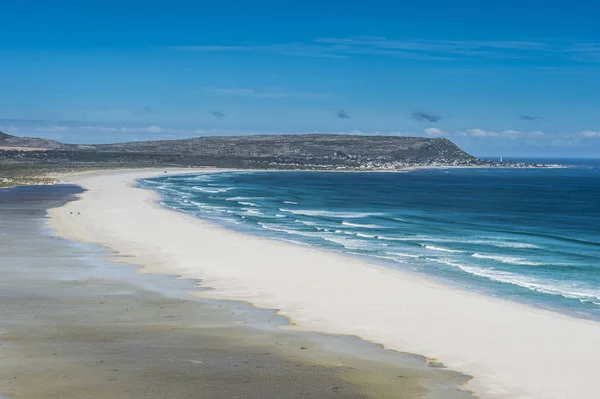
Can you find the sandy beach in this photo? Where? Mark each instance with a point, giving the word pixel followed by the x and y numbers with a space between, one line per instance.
pixel 76 325
pixel 511 350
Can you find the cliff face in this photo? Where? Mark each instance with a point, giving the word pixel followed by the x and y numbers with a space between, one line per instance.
pixel 312 151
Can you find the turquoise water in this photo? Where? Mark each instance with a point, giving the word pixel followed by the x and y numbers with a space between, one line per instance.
pixel 531 235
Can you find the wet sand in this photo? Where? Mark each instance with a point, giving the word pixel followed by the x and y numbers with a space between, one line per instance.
pixel 75 325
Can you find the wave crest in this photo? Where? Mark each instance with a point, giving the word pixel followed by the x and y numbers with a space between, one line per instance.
pixel 507 259
pixel 329 214
pixel 547 287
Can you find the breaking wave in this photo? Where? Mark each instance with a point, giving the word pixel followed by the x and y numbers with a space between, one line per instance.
pixel 433 247
pixel 362 226
pixel 544 286
pixel 328 214
pixel 507 259
pixel 403 219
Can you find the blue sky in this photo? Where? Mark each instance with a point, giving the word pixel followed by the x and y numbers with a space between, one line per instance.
pixel 510 78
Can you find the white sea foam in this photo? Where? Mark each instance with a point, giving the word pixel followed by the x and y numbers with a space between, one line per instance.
pixel 206 207
pixel 231 220
pixel 553 287
pixel 394 258
pixel 292 241
pixel 402 254
pixel 348 243
pixel 506 259
pixel 504 243
pixel 365 226
pixel 513 244
pixel 494 242
pixel 247 203
pixel 398 238
pixel 290 202
pixel 250 212
pixel 152 182
pixel 309 212
pixel 282 229
pixel 353 233
pixel 212 190
pixel 165 188
pixel 243 198
pixel 433 247
pixel 365 235
pixel 202 178
pixel 306 223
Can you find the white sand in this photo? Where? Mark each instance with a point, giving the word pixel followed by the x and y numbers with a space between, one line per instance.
pixel 512 350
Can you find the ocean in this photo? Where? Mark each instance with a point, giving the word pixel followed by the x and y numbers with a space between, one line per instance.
pixel 528 235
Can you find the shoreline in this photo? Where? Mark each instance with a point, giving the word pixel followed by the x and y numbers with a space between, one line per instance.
pixel 77 323
pixel 51 178
pixel 492 343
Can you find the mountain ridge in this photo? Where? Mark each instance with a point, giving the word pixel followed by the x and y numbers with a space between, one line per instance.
pixel 10 141
pixel 289 151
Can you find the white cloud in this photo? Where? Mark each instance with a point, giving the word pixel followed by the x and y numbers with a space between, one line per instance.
pixel 433 131
pixel 537 133
pixel 356 132
pixel 508 134
pixel 153 129
pixel 475 133
pixel 511 133
pixel 589 134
